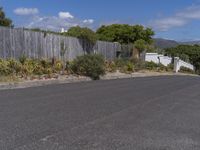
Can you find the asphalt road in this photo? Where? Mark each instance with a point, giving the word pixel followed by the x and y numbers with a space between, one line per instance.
pixel 154 113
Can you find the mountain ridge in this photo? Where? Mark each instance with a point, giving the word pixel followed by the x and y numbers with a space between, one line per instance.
pixel 166 43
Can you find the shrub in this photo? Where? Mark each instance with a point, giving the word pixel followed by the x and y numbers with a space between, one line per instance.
pixel 28 67
pixel 161 67
pixel 38 69
pixel 139 65
pixel 58 66
pixel 45 63
pixel 157 67
pixel 15 66
pixel 130 67
pixel 124 65
pixel 186 70
pixel 4 69
pixel 22 59
pixel 121 62
pixel 68 66
pixel 91 65
pixel 110 66
pixel 170 67
pixel 151 65
pixel 184 57
pixel 127 68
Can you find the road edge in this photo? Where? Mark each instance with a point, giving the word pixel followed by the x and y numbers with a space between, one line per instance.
pixel 112 76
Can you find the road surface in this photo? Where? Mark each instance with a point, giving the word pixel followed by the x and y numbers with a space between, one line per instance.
pixel 153 113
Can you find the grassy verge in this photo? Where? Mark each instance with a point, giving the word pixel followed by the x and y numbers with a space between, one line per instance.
pixel 8 79
pixel 93 66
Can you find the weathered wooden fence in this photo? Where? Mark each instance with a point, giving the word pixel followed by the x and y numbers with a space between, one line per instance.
pixel 17 42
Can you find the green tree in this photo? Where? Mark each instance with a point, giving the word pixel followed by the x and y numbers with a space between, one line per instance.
pixel 82 33
pixel 4 21
pixel 150 48
pixel 191 52
pixel 86 36
pixel 124 33
pixel 140 45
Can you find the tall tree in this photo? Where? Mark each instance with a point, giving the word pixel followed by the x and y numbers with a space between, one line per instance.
pixel 124 33
pixel 4 21
pixel 82 33
pixel 140 45
pixel 87 37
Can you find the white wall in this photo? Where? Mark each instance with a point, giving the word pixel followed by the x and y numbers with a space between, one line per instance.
pixel 165 60
pixel 157 58
pixel 178 63
pixel 152 57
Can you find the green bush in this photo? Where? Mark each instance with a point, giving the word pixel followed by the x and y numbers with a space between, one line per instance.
pixel 121 62
pixel 58 66
pixel 139 65
pixel 14 65
pixel 89 65
pixel 45 63
pixel 110 66
pixel 125 65
pixel 22 59
pixel 186 70
pixel 68 66
pixel 151 65
pixel 170 67
pixel 129 67
pixel 4 68
pixel 157 67
pixel 184 57
pixel 28 67
pixel 161 67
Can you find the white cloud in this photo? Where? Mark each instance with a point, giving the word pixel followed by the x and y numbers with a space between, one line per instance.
pixel 88 21
pixel 63 20
pixel 65 15
pixel 192 12
pixel 55 23
pixel 179 19
pixel 51 23
pixel 26 11
pixel 167 23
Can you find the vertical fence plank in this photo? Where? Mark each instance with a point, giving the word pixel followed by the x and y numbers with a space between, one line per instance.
pixel 18 42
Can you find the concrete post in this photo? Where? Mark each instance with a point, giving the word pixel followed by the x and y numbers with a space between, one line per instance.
pixel 176 64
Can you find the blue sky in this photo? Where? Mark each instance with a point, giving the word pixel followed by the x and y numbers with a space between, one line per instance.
pixel 171 19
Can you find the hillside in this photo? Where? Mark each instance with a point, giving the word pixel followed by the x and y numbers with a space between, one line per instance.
pixel 164 43
pixel 191 43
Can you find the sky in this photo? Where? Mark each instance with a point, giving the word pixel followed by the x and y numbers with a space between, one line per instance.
pixel 171 19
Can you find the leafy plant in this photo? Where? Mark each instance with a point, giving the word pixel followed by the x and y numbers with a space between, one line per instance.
pixel 45 63
pixel 85 34
pixel 4 69
pixel 124 33
pixel 4 21
pixel 22 59
pixel 15 66
pixel 186 51
pixel 151 65
pixel 91 65
pixel 58 66
pixel 125 65
pixel 140 45
pixel 170 67
pixel 110 66
pixel 186 70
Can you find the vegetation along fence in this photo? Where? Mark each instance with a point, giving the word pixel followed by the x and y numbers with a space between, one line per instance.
pixel 15 43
